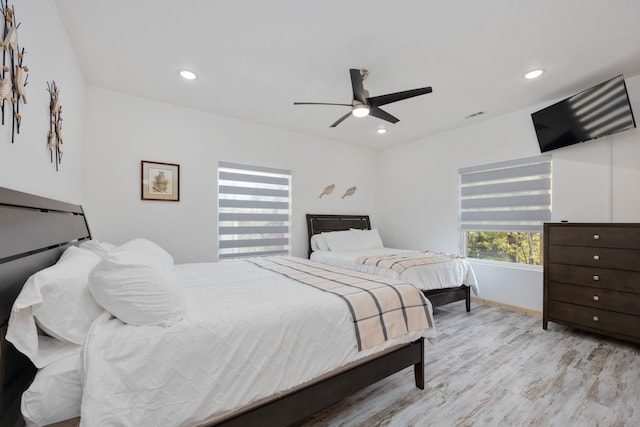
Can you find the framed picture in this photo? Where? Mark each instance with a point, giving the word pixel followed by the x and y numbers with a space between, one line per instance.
pixel 160 181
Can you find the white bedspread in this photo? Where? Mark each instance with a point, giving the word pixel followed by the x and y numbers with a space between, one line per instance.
pixel 426 277
pixel 236 344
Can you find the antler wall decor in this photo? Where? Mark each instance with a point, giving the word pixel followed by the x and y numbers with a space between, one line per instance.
pixel 12 82
pixel 54 139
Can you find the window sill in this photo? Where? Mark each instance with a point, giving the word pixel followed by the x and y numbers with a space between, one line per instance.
pixel 502 264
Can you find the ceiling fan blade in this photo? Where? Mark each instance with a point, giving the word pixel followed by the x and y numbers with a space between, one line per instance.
pixel 356 84
pixel 381 114
pixel 340 120
pixel 376 101
pixel 319 103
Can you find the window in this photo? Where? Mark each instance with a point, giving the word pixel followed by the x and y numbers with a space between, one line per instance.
pixel 254 207
pixel 503 207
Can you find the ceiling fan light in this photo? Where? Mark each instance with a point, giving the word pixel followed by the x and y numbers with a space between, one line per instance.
pixel 360 110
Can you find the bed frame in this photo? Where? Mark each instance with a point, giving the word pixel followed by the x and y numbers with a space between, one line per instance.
pixel 322 223
pixel 34 231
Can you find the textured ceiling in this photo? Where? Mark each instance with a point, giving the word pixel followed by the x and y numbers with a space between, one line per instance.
pixel 255 58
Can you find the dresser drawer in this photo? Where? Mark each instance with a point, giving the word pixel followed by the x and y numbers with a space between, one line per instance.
pixel 621 259
pixel 617 280
pixel 594 318
pixel 599 236
pixel 604 299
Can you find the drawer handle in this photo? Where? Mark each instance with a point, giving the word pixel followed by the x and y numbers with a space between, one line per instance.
pixel 596 298
pixel 596 257
pixel 595 318
pixel 596 278
pixel 596 237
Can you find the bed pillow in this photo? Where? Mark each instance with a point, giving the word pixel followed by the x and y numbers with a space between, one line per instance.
pixel 138 286
pixel 97 247
pixel 55 300
pixel 151 249
pixel 368 238
pixel 55 393
pixel 67 309
pixel 318 243
pixel 342 241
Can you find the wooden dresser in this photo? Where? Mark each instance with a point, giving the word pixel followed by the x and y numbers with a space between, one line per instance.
pixel 592 277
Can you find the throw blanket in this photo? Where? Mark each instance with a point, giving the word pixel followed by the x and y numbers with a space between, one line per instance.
pixel 381 308
pixel 400 262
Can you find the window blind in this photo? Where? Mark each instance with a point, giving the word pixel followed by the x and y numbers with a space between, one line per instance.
pixel 506 196
pixel 253 211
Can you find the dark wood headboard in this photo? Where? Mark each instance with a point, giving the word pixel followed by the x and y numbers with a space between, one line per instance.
pixel 322 223
pixel 34 231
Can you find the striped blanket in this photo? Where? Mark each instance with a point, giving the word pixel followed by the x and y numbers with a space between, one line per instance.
pixel 381 308
pixel 401 261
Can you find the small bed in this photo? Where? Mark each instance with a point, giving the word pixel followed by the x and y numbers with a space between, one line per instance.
pixel 449 280
pixel 37 231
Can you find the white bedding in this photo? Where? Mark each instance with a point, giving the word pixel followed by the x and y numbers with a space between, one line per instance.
pixel 235 345
pixel 55 393
pixel 426 277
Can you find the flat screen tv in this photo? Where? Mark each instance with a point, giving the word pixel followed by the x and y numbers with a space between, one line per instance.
pixel 601 110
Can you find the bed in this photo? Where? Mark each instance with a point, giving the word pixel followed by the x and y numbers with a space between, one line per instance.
pixel 37 231
pixel 442 282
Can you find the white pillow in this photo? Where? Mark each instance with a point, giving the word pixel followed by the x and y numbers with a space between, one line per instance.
pixel 55 393
pixel 342 241
pixel 67 309
pixel 138 287
pixel 150 248
pixel 99 248
pixel 57 300
pixel 368 238
pixel 318 243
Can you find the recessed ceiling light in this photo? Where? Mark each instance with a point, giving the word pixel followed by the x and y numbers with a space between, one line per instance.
pixel 188 75
pixel 534 74
pixel 381 131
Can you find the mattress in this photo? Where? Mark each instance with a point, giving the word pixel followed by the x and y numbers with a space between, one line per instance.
pixel 442 275
pixel 248 333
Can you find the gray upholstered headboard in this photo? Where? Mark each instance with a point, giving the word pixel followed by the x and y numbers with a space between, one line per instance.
pixel 322 223
pixel 34 231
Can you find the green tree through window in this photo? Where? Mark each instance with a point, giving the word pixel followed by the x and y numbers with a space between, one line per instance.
pixel 507 246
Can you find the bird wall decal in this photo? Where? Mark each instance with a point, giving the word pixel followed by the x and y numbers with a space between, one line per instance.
pixel 349 192
pixel 328 190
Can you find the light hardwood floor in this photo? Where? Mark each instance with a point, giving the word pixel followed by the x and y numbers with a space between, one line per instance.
pixel 493 367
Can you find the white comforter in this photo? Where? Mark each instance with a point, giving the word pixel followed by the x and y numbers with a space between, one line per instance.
pixel 236 345
pixel 426 277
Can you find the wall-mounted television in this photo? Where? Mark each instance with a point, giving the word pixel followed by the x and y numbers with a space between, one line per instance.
pixel 598 111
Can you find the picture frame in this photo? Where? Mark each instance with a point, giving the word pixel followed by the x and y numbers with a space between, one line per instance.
pixel 159 181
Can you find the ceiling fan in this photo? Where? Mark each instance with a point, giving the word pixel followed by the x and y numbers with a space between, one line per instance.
pixel 363 105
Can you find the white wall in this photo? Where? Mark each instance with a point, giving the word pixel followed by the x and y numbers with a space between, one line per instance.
pixel 123 130
pixel 418 205
pixel 25 165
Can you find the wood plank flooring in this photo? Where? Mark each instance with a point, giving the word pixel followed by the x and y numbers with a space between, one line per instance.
pixel 493 367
